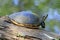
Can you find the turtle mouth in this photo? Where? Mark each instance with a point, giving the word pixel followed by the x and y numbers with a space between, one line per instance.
pixel 31 26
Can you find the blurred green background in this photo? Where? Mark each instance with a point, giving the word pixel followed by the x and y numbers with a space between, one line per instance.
pixel 40 7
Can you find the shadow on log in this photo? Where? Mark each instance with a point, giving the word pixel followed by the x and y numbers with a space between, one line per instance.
pixel 9 31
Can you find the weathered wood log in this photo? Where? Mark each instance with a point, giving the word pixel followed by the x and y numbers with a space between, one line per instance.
pixel 9 31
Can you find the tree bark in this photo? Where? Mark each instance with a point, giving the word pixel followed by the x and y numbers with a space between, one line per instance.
pixel 9 31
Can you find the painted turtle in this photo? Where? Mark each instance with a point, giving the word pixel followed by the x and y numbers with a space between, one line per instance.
pixel 27 19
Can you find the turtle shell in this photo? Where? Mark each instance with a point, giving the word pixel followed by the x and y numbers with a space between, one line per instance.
pixel 25 17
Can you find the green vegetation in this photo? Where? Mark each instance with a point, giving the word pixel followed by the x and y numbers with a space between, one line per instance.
pixel 37 6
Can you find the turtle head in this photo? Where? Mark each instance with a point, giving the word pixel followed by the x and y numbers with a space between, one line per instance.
pixel 44 17
pixel 41 21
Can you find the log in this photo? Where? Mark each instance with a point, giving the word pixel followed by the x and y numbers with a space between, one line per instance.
pixel 9 31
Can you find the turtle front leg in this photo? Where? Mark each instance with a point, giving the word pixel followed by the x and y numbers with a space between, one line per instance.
pixel 42 24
